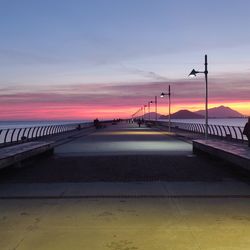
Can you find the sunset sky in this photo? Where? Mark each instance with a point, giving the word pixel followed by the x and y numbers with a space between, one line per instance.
pixel 82 59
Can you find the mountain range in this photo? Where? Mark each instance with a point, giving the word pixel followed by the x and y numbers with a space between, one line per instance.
pixel 220 112
pixel 183 114
pixel 217 112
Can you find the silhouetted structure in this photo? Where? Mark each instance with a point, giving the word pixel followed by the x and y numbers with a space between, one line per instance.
pixel 78 127
pixel 139 122
pixel 246 131
pixel 97 123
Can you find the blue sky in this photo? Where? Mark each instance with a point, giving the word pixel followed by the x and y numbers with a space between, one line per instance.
pixel 53 43
pixel 67 39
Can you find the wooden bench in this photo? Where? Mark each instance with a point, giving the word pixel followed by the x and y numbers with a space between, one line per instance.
pixel 15 154
pixel 235 153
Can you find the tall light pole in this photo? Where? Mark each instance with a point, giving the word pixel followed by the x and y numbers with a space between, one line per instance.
pixel 156 108
pixel 169 106
pixel 144 106
pixel 193 74
pixel 149 109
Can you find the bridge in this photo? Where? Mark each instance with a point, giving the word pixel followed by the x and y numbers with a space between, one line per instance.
pixel 124 187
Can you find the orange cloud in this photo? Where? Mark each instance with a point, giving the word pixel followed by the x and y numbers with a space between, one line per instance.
pixel 108 101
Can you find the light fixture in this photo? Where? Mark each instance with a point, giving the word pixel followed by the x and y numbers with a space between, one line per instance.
pixel 193 74
pixel 169 106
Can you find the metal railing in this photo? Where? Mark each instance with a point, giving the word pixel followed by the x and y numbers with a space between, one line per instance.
pixel 16 135
pixel 222 131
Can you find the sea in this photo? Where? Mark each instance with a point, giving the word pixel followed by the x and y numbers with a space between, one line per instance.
pixel 239 122
pixel 27 124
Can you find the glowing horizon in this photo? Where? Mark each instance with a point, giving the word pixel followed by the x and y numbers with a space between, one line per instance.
pixel 79 112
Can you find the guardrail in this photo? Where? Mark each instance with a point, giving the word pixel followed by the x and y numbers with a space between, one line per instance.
pixel 16 135
pixel 222 131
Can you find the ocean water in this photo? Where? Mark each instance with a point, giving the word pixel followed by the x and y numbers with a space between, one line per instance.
pixel 26 124
pixel 238 122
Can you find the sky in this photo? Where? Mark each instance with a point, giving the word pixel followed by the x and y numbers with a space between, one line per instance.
pixel 82 59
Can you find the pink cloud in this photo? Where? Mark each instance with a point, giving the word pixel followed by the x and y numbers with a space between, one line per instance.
pixel 91 100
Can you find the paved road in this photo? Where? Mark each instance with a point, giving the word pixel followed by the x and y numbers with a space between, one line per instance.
pixel 125 188
pixel 124 153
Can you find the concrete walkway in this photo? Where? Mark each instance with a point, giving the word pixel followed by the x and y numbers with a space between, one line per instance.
pixel 124 139
pixel 125 188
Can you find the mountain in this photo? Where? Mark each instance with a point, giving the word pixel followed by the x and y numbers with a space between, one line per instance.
pixel 183 114
pixel 152 115
pixel 220 112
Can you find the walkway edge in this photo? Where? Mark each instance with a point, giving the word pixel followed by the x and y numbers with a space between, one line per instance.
pixel 226 151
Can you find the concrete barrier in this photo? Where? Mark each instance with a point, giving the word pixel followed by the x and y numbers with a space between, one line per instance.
pixel 18 153
pixel 235 153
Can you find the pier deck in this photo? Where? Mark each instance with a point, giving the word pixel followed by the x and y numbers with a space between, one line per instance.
pixel 125 187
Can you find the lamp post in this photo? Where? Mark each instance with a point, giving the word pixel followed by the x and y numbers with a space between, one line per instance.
pixel 193 74
pixel 156 108
pixel 144 106
pixel 169 106
pixel 149 109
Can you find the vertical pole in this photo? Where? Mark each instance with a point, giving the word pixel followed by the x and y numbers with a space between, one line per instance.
pixel 144 112
pixel 149 111
pixel 169 109
pixel 206 122
pixel 156 108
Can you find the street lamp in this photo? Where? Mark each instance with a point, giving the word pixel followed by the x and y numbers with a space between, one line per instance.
pixel 149 109
pixel 169 106
pixel 156 108
pixel 144 106
pixel 141 112
pixel 193 74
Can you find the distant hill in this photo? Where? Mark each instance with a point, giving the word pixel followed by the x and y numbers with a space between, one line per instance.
pixel 220 112
pixel 183 114
pixel 152 115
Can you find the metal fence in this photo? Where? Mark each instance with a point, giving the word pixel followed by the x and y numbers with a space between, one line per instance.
pixel 222 131
pixel 15 135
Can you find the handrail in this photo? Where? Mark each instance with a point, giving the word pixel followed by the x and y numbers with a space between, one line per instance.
pixel 16 135
pixel 221 131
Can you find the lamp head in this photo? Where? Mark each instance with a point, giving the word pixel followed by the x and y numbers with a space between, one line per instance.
pixel 162 95
pixel 193 73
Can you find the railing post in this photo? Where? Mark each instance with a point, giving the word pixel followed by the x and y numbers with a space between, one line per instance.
pixel 29 133
pixel 6 134
pixel 18 134
pixel 33 131
pixel 12 135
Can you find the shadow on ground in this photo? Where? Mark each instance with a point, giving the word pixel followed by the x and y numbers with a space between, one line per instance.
pixel 124 168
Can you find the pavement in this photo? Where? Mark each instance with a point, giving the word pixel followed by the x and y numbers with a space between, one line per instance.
pixel 125 188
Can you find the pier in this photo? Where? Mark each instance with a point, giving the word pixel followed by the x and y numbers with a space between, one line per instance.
pixel 124 187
